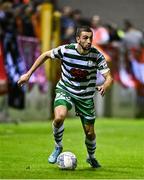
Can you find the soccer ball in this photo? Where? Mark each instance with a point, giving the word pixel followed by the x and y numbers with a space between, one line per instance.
pixel 67 160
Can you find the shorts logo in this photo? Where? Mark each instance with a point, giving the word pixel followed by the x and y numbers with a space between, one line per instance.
pixel 62 95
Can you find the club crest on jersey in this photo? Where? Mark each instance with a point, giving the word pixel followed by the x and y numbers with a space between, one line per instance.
pixel 90 63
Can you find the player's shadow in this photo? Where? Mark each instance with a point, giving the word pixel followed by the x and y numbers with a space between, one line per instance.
pixel 102 169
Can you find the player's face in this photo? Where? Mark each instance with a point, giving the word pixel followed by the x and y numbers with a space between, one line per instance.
pixel 85 40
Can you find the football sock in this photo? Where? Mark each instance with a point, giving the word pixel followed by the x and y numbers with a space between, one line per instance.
pixel 58 134
pixel 91 147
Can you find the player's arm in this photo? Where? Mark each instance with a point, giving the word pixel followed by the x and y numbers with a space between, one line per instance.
pixel 39 61
pixel 108 82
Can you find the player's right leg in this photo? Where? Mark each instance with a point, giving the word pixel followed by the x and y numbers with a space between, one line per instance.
pixel 62 105
pixel 60 113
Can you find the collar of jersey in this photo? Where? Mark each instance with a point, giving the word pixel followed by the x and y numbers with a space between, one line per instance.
pixel 78 52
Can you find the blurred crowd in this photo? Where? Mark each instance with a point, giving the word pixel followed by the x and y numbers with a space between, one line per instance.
pixel 20 44
pixel 22 17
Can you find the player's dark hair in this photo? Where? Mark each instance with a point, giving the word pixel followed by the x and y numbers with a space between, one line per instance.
pixel 82 29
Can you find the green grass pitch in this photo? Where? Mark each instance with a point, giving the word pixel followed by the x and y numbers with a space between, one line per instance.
pixel 24 149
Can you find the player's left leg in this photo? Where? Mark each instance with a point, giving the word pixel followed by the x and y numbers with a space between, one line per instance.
pixel 90 142
pixel 85 109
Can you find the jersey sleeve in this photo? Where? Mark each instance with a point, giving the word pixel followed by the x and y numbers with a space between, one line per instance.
pixel 102 64
pixel 58 52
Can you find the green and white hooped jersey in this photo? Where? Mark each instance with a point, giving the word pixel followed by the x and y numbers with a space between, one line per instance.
pixel 79 71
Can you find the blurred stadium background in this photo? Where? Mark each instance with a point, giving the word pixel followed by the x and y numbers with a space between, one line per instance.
pixel 31 27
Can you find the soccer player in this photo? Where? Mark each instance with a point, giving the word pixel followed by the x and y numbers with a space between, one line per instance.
pixel 79 64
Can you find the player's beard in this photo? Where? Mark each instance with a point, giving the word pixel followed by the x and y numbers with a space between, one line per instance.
pixel 84 48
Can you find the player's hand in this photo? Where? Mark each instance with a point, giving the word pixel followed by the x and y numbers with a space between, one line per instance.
pixel 106 85
pixel 23 79
pixel 101 89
